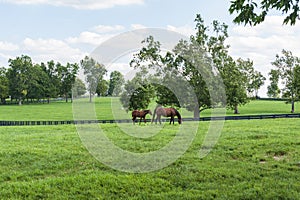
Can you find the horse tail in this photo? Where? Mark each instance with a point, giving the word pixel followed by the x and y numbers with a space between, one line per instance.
pixel 153 115
pixel 154 112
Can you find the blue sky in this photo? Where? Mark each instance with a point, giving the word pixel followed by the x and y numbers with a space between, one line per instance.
pixel 67 30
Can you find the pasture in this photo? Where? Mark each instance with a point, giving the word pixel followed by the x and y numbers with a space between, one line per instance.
pixel 103 108
pixel 256 159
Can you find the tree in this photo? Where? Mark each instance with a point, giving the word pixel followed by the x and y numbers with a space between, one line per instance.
pixel 150 58
pixel 257 81
pixel 78 88
pixel 236 82
pixel 102 88
pixel 250 12
pixel 38 83
pixel 116 82
pixel 234 74
pixel 191 59
pixel 53 85
pixel 19 76
pixel 288 65
pixel 137 94
pixel 4 85
pixel 67 75
pixel 94 73
pixel 273 89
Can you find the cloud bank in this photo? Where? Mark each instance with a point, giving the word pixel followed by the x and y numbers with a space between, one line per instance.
pixel 81 5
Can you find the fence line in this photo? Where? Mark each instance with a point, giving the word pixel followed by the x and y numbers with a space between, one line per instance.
pixel 243 117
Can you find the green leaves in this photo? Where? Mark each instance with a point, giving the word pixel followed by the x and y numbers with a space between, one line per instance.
pixel 116 82
pixel 288 69
pixel 249 12
pixel 93 72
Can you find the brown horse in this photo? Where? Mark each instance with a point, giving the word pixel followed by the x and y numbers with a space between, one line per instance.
pixel 166 112
pixel 141 114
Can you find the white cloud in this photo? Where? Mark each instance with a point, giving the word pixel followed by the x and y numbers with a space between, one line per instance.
pixel 6 46
pixel 137 26
pixel 108 29
pixel 184 30
pixel 261 43
pixel 51 49
pixel 82 5
pixel 90 38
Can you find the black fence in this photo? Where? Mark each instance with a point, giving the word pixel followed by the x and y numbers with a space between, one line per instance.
pixel 240 117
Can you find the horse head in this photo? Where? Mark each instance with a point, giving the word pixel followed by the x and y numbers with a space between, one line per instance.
pixel 179 121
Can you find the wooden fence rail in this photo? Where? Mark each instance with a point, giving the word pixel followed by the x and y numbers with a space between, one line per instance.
pixel 240 117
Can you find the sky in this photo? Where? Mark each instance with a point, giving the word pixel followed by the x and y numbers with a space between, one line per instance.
pixel 66 31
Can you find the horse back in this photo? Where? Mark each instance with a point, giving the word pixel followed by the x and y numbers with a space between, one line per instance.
pixel 135 113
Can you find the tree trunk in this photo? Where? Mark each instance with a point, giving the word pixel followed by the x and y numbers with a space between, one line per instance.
pixel 20 101
pixel 293 106
pixel 66 95
pixel 236 109
pixel 196 113
pixel 90 96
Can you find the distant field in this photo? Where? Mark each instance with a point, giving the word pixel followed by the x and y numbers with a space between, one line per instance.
pixel 257 159
pixel 103 107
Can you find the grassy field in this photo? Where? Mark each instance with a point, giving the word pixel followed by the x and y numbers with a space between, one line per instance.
pixel 257 159
pixel 103 107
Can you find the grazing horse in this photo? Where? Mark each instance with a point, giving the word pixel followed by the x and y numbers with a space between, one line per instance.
pixel 166 112
pixel 141 114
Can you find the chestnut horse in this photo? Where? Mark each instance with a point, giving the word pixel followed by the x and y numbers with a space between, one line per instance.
pixel 166 112
pixel 141 114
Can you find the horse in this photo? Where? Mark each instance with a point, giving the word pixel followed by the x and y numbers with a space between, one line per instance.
pixel 141 114
pixel 166 112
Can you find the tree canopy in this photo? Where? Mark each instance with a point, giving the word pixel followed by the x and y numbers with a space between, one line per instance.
pixel 288 69
pixel 253 12
pixel 194 61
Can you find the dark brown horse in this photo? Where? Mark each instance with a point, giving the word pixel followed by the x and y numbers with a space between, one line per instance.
pixel 166 112
pixel 141 114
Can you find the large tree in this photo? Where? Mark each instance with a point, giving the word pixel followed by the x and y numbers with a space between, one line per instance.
pixel 52 89
pixel 102 88
pixel 236 79
pixel 4 85
pixel 19 77
pixel 94 73
pixel 273 89
pixel 78 88
pixel 253 12
pixel 257 80
pixel 67 75
pixel 137 94
pixel 235 74
pixel 38 84
pixel 116 81
pixel 287 65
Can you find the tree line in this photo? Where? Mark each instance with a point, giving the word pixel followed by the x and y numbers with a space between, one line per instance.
pixel 24 80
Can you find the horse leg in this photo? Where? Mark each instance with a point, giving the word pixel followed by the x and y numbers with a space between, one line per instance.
pixel 173 119
pixel 133 120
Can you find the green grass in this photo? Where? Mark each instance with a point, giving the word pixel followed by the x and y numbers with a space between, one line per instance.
pixel 257 159
pixel 103 107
